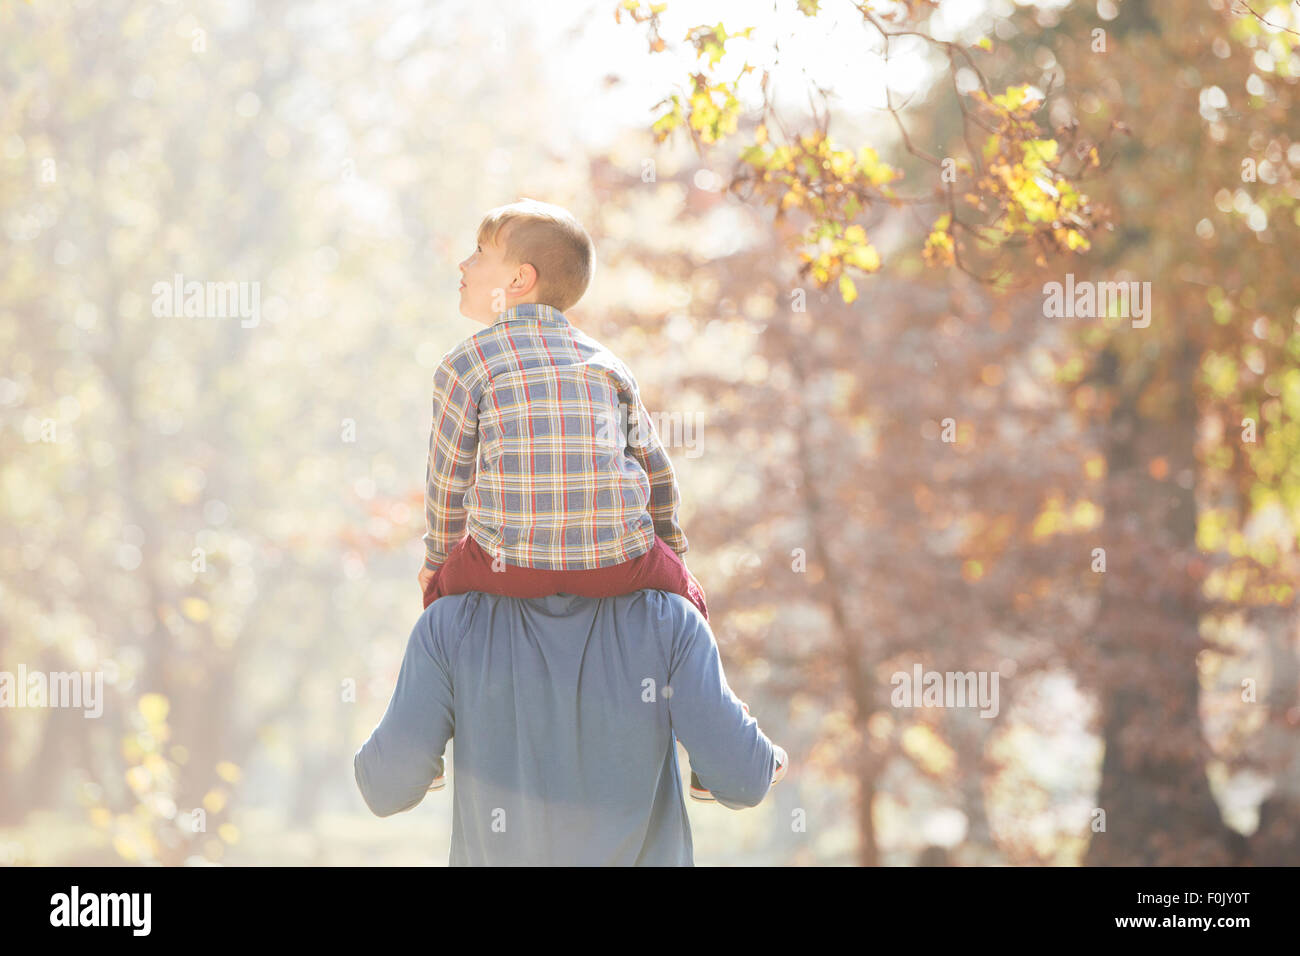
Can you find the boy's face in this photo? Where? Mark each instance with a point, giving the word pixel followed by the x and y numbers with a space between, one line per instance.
pixel 490 285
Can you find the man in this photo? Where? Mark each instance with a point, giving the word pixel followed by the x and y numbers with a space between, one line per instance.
pixel 565 710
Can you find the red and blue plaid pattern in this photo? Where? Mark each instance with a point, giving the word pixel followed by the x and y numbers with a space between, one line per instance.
pixel 536 451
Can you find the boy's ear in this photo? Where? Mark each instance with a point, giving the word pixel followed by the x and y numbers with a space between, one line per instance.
pixel 527 274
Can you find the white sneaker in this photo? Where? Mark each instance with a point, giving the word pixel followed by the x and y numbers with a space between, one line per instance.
pixel 782 761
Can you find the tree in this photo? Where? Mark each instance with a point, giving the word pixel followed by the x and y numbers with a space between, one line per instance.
pixel 1224 351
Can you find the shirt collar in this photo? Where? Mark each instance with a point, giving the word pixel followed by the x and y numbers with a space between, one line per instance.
pixel 531 312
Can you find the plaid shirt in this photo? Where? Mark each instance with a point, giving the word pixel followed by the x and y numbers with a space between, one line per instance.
pixel 529 453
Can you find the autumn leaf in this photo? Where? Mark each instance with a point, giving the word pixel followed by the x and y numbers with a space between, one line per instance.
pixel 848 291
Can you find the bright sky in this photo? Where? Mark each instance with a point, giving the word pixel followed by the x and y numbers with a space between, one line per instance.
pixel 567 49
pixel 834 49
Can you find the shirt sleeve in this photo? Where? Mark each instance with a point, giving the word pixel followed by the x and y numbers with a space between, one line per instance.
pixel 646 448
pixel 730 755
pixel 453 451
pixel 404 753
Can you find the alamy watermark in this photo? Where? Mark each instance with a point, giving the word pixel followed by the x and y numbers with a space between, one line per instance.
pixel 84 689
pixel 674 429
pixel 946 689
pixel 1092 300
pixel 75 908
pixel 208 300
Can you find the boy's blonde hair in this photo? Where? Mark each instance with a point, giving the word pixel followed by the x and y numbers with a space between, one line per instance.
pixel 549 239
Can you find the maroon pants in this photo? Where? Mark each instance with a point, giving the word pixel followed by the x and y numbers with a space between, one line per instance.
pixel 469 568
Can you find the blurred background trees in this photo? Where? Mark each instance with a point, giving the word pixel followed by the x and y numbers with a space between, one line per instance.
pixel 914 466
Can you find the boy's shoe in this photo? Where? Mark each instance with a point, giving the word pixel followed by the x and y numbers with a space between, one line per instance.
pixel 699 791
pixel 782 761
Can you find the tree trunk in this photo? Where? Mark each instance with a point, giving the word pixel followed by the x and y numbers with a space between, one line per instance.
pixel 1157 801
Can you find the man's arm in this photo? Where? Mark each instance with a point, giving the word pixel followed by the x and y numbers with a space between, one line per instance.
pixel 453 450
pixel 404 753
pixel 649 453
pixel 731 756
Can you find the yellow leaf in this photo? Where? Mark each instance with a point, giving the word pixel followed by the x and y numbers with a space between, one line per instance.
pixel 196 609
pixel 848 290
pixel 864 257
pixel 1086 515
pixel 138 779
pixel 931 752
pixel 1012 98
pixel 154 707
pixel 1041 149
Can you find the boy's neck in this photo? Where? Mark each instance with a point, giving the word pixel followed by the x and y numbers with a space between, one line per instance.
pixel 514 308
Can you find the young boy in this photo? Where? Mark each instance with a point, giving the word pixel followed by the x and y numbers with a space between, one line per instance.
pixel 532 486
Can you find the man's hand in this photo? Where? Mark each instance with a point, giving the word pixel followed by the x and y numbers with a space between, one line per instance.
pixel 695 581
pixel 426 578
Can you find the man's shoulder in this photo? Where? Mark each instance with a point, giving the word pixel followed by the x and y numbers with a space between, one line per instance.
pixel 449 615
pixel 663 611
pixel 684 616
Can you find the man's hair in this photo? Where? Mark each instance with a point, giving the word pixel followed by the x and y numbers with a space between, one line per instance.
pixel 549 239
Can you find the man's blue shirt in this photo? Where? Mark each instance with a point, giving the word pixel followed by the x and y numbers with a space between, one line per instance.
pixel 564 711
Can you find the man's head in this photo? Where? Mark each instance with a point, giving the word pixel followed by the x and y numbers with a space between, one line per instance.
pixel 526 251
